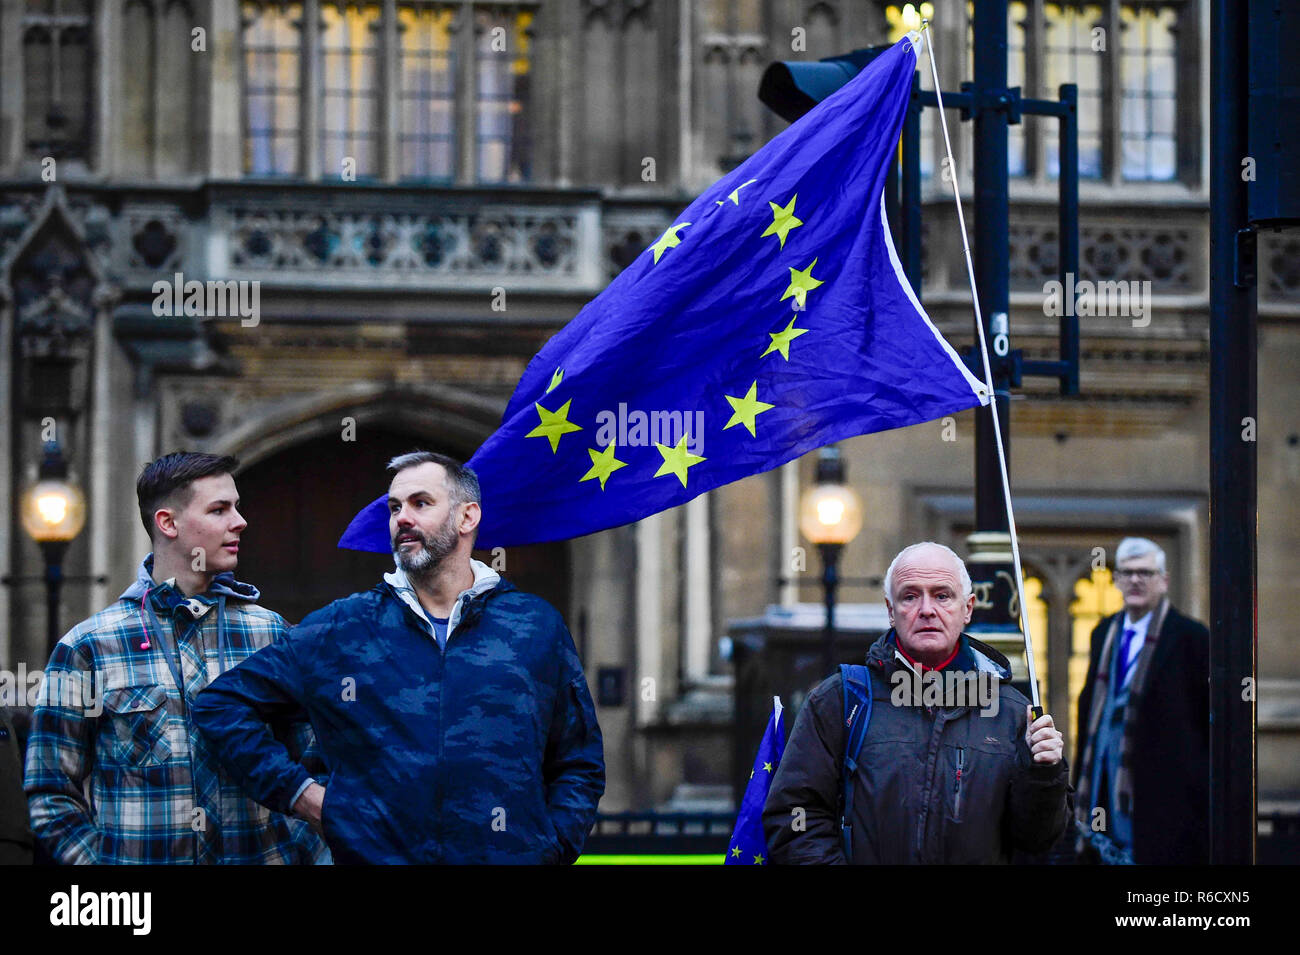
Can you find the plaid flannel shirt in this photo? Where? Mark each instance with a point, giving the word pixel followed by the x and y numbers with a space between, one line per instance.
pixel 110 712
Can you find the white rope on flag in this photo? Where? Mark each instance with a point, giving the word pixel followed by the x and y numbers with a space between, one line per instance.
pixel 988 375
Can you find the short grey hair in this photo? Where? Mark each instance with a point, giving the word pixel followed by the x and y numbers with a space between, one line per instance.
pixel 962 573
pixel 461 480
pixel 1131 547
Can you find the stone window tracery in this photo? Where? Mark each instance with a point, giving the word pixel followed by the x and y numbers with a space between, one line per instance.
pixel 395 90
pixel 1136 108
pixel 57 67
pixel 271 87
pixel 350 101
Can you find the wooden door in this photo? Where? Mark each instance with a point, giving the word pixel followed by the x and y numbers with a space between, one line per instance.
pixel 299 501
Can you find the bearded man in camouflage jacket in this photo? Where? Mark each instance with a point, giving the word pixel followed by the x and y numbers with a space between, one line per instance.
pixel 452 708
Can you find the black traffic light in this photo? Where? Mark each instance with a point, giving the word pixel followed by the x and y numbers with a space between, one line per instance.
pixel 1273 136
pixel 791 87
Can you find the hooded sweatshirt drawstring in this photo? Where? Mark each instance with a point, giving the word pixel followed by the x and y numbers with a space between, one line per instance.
pixel 144 621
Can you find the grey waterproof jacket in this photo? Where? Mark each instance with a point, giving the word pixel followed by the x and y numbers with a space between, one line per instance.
pixel 911 804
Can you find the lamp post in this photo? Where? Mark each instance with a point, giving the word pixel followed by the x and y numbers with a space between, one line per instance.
pixel 53 513
pixel 830 515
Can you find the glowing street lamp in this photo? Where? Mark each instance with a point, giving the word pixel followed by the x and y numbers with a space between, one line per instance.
pixel 53 512
pixel 830 516
pixel 913 14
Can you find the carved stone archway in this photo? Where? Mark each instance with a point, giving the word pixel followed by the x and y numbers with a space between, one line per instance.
pixel 307 469
pixel 441 414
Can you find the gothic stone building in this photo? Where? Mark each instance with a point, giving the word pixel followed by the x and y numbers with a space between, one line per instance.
pixel 424 191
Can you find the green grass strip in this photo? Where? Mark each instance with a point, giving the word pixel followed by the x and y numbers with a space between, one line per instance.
pixel 711 859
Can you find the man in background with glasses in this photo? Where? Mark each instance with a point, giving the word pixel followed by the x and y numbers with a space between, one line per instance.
pixel 1143 761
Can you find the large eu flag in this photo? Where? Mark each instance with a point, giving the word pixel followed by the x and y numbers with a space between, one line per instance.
pixel 771 318
pixel 748 846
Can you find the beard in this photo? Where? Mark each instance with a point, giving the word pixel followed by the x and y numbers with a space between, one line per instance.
pixel 434 549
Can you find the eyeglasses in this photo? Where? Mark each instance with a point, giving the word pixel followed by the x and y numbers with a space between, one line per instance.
pixel 1141 574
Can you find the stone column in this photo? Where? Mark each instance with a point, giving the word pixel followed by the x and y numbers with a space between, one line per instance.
pixel 788 530
pixel 107 32
pixel 390 47
pixel 11 94
pixel 309 152
pixel 649 616
pixel 225 133
pixel 698 574
pixel 465 43
pixel 99 470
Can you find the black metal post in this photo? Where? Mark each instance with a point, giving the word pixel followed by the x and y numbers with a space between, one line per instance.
pixel 989 558
pixel 1233 518
pixel 1068 233
pixel 992 251
pixel 830 585
pixel 53 552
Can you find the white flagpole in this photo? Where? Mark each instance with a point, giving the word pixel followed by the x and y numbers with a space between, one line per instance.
pixel 988 381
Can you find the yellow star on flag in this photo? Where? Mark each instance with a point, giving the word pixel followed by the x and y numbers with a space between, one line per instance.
pixel 734 195
pixel 781 340
pixel 783 220
pixel 801 283
pixel 556 378
pixel 767 767
pixel 554 424
pixel 677 460
pixel 758 860
pixel 669 239
pixel 746 409
pixel 735 853
pixel 603 464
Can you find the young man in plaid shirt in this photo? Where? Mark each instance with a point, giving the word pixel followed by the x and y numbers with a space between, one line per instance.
pixel 114 709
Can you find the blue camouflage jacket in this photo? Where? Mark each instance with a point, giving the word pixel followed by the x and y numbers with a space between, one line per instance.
pixel 485 751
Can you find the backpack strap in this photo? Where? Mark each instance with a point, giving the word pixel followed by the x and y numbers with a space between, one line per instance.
pixel 857 715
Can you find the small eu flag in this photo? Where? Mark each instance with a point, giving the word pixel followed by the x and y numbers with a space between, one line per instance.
pixel 747 845
pixel 772 317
